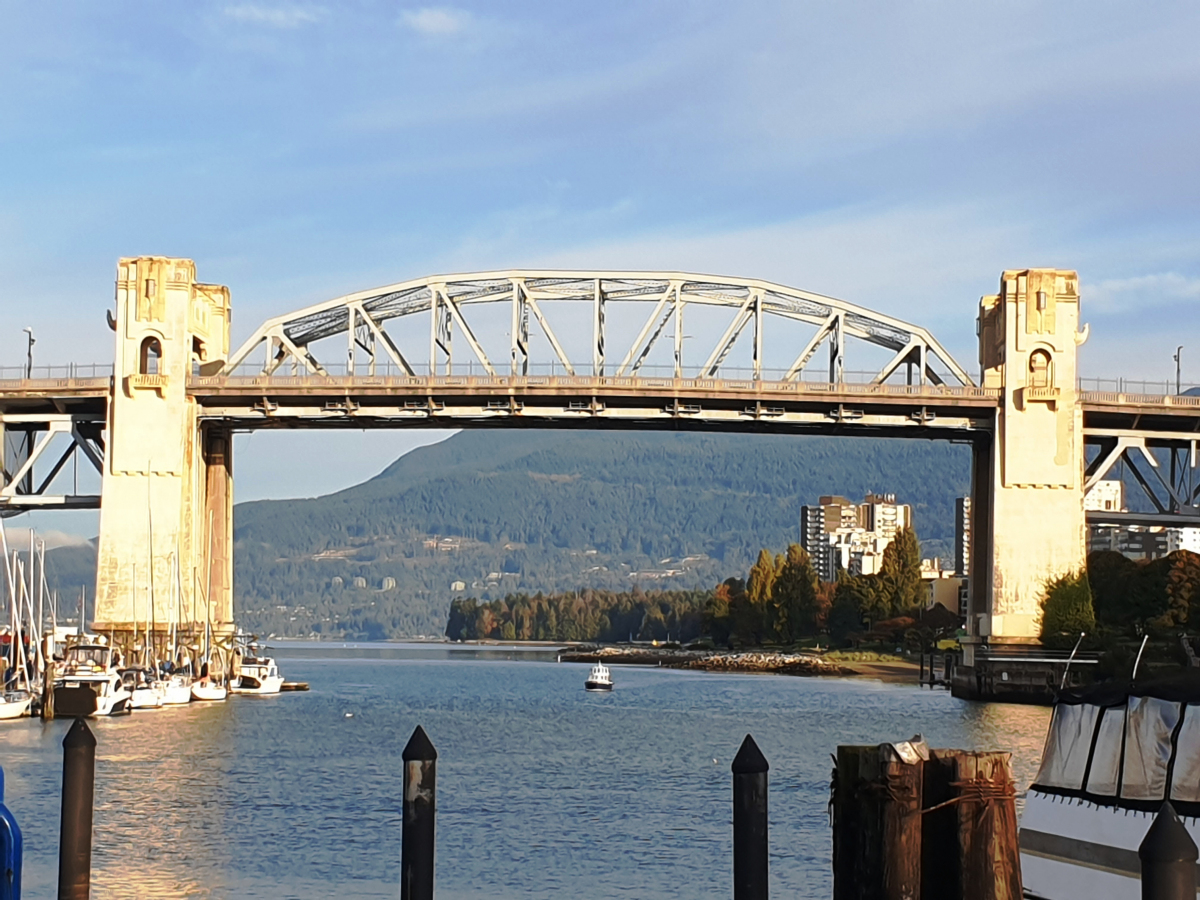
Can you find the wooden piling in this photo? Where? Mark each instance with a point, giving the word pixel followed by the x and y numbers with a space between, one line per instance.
pixel 876 808
pixel 981 838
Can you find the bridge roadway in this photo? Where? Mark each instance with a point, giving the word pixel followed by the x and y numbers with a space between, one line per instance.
pixel 363 401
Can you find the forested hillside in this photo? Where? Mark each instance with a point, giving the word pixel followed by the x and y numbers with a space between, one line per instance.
pixel 527 511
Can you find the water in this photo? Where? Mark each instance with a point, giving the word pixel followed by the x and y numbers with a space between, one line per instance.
pixel 543 790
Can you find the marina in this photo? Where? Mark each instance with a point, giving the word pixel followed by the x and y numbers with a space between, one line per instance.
pixel 287 796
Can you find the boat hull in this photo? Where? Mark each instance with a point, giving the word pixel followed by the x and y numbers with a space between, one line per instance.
pixel 253 686
pixel 15 709
pixel 597 687
pixel 83 701
pixel 177 694
pixel 1071 848
pixel 206 691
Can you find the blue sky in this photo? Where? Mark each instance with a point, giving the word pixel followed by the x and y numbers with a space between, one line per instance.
pixel 899 155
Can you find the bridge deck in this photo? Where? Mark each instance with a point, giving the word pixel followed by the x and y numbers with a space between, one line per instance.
pixel 587 401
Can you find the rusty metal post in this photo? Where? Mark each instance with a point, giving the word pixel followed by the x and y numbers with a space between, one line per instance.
pixel 749 822
pixel 1168 856
pixel 420 808
pixel 78 794
pixel 11 851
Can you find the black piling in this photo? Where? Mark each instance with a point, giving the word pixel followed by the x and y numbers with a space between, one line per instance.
pixel 749 822
pixel 420 808
pixel 78 794
pixel 1168 856
pixel 11 851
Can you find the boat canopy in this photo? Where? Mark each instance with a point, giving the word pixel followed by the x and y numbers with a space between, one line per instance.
pixel 1130 746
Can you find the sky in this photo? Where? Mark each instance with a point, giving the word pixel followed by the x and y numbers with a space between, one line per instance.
pixel 897 155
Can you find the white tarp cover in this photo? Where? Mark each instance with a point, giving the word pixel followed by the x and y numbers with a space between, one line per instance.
pixel 1067 746
pixel 1106 761
pixel 1185 777
pixel 1148 747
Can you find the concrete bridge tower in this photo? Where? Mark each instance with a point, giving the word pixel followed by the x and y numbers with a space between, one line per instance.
pixel 1027 508
pixel 165 552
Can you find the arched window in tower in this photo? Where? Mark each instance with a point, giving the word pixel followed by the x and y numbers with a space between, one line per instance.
pixel 151 357
pixel 1039 369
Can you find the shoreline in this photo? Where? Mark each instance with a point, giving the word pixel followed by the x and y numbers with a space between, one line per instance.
pixel 765 662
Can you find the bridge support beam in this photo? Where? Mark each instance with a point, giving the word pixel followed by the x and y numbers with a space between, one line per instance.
pixel 166 517
pixel 1029 485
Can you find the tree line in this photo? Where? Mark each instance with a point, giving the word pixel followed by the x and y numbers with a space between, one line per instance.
pixel 1117 598
pixel 780 601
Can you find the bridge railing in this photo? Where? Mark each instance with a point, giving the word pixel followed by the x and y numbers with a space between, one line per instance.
pixel 53 373
pixel 1133 386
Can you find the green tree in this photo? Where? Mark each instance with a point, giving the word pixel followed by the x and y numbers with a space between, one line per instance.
pixel 718 621
pixel 795 596
pixel 752 617
pixel 1067 610
pixel 846 610
pixel 899 579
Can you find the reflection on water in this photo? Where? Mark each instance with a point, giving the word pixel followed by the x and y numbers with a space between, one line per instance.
pixel 544 790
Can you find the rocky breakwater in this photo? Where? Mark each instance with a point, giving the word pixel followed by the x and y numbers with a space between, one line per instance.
pixel 763 661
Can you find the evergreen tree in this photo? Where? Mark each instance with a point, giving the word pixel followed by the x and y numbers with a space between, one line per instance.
pixel 1067 610
pixel 752 617
pixel 795 597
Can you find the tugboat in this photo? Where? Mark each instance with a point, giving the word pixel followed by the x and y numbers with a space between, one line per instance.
pixel 1113 754
pixel 600 679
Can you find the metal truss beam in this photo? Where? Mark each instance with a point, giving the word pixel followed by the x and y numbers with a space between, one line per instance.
pixel 22 488
pixel 363 319
pixel 1172 489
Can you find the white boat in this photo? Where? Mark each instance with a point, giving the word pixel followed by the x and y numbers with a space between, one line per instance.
pixel 1113 754
pixel 599 679
pixel 258 675
pixel 208 689
pixel 89 684
pixel 14 704
pixel 145 691
pixel 178 689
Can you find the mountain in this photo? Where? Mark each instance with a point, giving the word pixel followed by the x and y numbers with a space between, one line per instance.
pixel 506 511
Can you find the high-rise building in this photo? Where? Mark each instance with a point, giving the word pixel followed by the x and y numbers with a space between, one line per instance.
pixel 815 541
pixel 1107 495
pixel 840 535
pixel 962 536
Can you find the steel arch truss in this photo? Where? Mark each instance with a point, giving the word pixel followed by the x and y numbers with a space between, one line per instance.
pixel 441 305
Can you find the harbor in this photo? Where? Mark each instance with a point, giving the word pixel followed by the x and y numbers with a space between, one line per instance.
pixel 290 796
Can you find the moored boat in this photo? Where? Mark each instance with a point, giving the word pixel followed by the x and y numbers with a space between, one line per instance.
pixel 208 689
pixel 599 679
pixel 258 675
pixel 89 683
pixel 1113 754
pixel 145 691
pixel 14 704
pixel 177 689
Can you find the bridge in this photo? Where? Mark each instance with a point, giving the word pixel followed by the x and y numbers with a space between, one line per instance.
pixel 661 350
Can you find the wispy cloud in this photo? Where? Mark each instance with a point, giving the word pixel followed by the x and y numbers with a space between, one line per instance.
pixel 18 538
pixel 436 21
pixel 274 16
pixel 1117 295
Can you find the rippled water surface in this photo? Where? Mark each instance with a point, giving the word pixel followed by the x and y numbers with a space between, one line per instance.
pixel 543 790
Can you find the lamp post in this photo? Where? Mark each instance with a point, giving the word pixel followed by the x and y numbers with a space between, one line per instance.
pixel 1178 351
pixel 29 352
